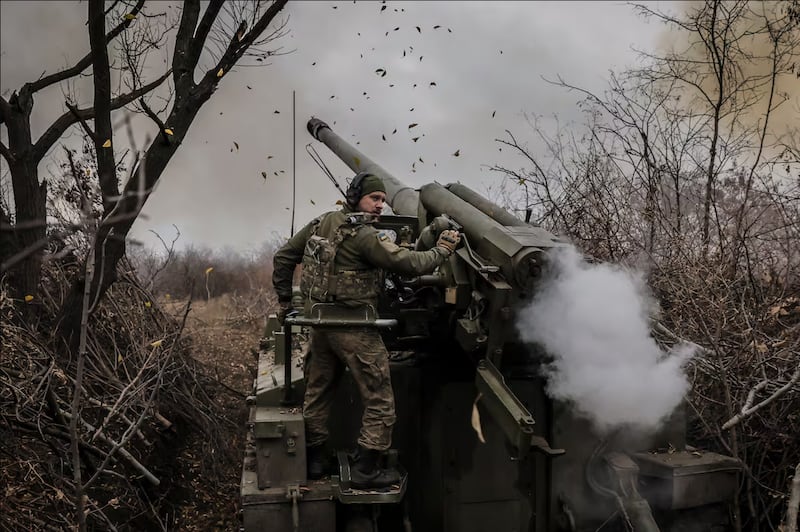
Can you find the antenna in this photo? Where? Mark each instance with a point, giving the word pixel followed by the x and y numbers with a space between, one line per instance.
pixel 294 160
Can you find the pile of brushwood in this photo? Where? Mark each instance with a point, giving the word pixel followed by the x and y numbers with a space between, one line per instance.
pixel 143 401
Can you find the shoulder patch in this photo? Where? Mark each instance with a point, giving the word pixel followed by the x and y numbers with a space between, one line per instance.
pixel 382 236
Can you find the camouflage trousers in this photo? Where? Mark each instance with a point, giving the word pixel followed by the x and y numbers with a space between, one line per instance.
pixel 364 354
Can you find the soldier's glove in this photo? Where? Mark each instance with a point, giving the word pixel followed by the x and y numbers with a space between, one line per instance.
pixel 284 308
pixel 448 240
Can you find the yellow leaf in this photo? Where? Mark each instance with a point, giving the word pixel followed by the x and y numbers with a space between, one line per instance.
pixel 107 144
pixel 167 296
pixel 357 161
pixel 220 72
pixel 209 270
pixel 130 16
pixel 28 298
pixel 168 131
pixel 147 304
pixel 119 358
pixel 156 343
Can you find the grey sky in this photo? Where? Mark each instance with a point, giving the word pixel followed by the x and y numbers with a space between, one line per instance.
pixel 492 61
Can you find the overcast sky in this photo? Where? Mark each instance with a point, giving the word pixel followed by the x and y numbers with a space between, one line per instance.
pixel 487 58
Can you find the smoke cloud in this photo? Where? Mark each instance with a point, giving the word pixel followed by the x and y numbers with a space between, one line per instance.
pixel 593 320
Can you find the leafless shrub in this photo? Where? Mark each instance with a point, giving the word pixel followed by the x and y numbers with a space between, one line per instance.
pixel 688 176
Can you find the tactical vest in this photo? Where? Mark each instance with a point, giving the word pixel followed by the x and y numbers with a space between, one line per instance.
pixel 321 282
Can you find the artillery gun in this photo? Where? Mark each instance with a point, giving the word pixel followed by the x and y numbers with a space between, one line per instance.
pixel 454 348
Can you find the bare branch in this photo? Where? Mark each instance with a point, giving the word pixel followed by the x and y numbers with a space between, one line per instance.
pixel 794 502
pixel 747 410
pixel 74 110
pixel 198 42
pixel 63 122
pixel 241 41
pixel 23 254
pixel 162 128
pixel 84 63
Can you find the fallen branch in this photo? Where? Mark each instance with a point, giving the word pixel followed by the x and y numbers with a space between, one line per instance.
pixel 122 451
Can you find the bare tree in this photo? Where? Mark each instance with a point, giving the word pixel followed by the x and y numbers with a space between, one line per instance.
pixel 228 31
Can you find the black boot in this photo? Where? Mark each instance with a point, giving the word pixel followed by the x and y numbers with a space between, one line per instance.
pixel 366 472
pixel 316 462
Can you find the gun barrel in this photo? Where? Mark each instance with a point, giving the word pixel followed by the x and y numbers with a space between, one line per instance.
pixel 437 199
pixel 401 197
pixel 487 207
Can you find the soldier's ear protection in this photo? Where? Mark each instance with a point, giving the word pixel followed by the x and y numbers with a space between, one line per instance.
pixel 353 194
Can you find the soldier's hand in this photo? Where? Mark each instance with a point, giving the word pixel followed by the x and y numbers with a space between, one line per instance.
pixel 448 240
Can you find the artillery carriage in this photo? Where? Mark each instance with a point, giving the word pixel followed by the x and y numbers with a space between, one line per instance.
pixel 454 348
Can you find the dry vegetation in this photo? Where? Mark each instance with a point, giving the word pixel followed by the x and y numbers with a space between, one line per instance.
pixel 163 407
pixel 688 168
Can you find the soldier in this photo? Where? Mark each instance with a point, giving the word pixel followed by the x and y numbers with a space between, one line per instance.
pixel 343 256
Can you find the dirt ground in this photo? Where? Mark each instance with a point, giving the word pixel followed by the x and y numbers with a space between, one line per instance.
pixel 225 343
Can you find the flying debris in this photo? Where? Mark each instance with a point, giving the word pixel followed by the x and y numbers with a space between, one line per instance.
pixel 411 110
pixel 419 30
pixel 457 153
pixel 433 84
pixel 236 144
pixel 249 87
pixel 415 139
pixel 380 71
pixel 437 27
pixel 269 157
pixel 412 125
pixel 276 112
pixel 383 137
pixel 493 113
pixel 264 175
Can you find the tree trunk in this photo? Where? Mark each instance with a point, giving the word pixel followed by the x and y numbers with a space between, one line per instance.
pixel 24 259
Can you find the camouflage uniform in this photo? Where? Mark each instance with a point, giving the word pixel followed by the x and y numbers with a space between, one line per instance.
pixel 353 279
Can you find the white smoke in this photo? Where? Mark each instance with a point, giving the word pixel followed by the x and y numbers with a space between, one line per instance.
pixel 593 320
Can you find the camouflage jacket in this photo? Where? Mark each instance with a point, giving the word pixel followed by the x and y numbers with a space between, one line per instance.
pixel 364 248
